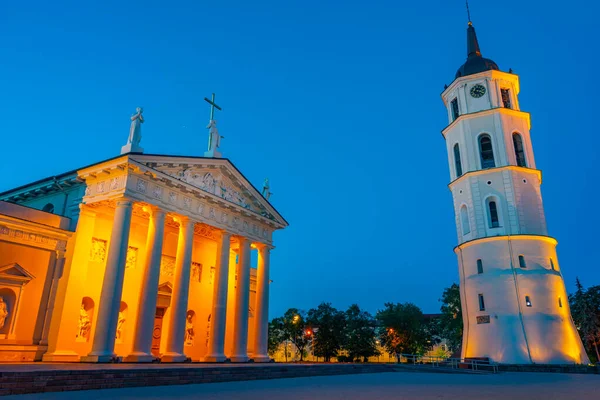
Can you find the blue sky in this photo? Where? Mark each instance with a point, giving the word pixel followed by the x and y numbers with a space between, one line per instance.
pixel 338 103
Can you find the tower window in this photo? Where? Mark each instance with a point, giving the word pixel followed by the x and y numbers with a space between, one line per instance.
pixel 464 220
pixel 560 302
pixel 454 107
pixel 479 266
pixel 493 209
pixel 527 301
pixel 457 162
pixel 49 208
pixel 519 151
pixel 506 98
pixel 522 262
pixel 481 303
pixel 486 152
pixel 552 264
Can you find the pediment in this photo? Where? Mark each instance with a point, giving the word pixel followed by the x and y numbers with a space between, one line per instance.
pixel 15 273
pixel 218 177
pixel 166 288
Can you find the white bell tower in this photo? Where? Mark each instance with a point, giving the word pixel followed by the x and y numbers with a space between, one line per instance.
pixel 514 301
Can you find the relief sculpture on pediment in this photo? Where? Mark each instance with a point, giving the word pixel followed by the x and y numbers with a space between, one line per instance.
pixel 214 184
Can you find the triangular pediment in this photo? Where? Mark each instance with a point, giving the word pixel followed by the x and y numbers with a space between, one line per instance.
pixel 166 288
pixel 216 176
pixel 15 273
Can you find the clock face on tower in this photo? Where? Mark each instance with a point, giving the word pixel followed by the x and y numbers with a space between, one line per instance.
pixel 477 91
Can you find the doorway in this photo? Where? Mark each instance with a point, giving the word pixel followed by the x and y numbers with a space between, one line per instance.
pixel 157 331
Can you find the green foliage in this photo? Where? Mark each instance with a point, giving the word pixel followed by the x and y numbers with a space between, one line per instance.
pixel 402 329
pixel 327 324
pixel 450 325
pixel 276 335
pixel 294 324
pixel 360 334
pixel 585 310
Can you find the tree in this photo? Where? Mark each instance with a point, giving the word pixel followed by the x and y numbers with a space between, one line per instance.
pixel 327 325
pixel 276 335
pixel 585 310
pixel 294 324
pixel 360 334
pixel 402 329
pixel 451 322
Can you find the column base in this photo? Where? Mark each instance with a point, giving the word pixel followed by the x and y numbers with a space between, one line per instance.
pixel 139 358
pixel 215 358
pixel 262 359
pixel 101 358
pixel 61 356
pixel 173 358
pixel 240 359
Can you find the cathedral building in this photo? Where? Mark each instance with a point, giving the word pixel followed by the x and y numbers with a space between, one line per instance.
pixel 514 302
pixel 138 257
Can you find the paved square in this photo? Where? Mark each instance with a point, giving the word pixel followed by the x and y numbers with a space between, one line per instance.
pixel 381 386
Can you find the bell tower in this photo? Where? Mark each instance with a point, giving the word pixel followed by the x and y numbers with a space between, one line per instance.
pixel 514 302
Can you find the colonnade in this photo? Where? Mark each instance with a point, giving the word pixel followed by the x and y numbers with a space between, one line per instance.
pixel 112 288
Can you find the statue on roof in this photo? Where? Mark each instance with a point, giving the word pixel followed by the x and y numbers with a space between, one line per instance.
pixel 214 140
pixel 135 133
pixel 266 192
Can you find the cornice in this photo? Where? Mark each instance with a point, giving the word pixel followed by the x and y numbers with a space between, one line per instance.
pixel 547 239
pixel 496 110
pixel 33 234
pixel 496 169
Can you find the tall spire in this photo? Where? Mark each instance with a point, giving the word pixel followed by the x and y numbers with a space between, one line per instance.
pixel 475 62
pixel 472 43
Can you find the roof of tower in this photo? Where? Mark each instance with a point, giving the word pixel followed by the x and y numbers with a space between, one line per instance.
pixel 475 62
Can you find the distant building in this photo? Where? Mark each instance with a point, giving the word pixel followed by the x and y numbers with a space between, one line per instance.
pixel 514 303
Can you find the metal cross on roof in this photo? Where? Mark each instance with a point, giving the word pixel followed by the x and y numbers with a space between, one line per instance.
pixel 213 105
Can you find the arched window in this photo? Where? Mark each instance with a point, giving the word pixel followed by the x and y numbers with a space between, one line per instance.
pixel 457 163
pixel 493 211
pixel 522 262
pixel 486 152
pixel 49 208
pixel 464 220
pixel 479 266
pixel 519 151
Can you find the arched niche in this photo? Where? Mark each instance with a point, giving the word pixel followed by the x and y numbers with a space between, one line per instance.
pixel 121 323
pixel 8 302
pixel 86 316
pixel 190 328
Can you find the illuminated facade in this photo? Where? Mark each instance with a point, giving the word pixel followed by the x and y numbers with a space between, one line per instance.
pixel 514 301
pixel 157 263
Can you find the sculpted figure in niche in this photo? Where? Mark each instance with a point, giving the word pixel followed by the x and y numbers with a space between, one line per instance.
pixel 120 323
pixel 84 323
pixel 189 330
pixel 3 312
pixel 135 130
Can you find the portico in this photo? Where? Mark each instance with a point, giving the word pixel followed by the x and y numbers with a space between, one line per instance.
pixel 150 224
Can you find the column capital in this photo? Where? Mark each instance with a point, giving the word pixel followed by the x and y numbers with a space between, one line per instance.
pixel 153 210
pixel 263 246
pixel 124 202
pixel 183 221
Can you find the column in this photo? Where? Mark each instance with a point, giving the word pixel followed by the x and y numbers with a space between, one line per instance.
pixel 142 341
pixel 242 298
pixel 59 264
pixel 112 286
pixel 261 316
pixel 216 338
pixel 181 288
pixel 63 324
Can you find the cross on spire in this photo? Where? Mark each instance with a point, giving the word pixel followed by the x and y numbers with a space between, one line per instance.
pixel 213 105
